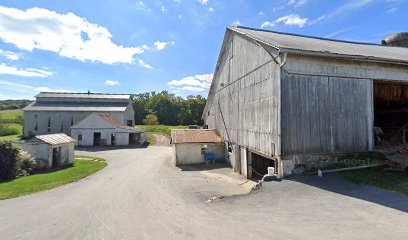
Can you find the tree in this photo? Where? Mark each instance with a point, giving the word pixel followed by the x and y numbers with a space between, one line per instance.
pixel 151 119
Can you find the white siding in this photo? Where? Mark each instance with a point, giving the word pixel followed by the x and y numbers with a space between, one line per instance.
pixel 190 153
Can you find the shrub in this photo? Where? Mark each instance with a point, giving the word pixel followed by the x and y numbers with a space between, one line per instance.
pixel 8 159
pixel 151 119
pixel 25 164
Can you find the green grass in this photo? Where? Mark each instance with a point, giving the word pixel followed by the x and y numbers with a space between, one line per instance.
pixel 160 129
pixel 13 138
pixel 394 181
pixel 11 116
pixel 44 181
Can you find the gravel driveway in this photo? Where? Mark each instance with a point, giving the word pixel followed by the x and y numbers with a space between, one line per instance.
pixel 139 195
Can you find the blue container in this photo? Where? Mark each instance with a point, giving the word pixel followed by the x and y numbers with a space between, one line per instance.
pixel 209 156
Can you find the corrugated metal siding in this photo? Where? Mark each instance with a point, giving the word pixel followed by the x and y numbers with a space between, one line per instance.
pixel 249 100
pixel 325 114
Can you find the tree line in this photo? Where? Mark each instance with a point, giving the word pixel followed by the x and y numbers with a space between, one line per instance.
pixel 13 104
pixel 165 108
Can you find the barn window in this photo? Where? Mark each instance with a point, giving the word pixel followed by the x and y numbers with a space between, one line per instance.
pixel 36 126
pixel 49 124
pixel 62 127
pixel 80 137
pixel 72 120
pixel 229 147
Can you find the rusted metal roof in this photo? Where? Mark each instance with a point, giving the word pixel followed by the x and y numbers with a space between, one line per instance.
pixel 55 139
pixel 111 120
pixel 195 136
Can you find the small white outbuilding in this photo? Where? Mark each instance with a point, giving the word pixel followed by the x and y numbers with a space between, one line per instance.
pixel 52 150
pixel 190 145
pixel 101 129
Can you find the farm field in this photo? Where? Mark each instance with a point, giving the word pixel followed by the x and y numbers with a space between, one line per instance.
pixel 11 125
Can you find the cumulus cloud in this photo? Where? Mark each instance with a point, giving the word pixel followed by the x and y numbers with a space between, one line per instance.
pixel 203 2
pixel 163 9
pixel 111 83
pixel 65 34
pixel 24 72
pixel 292 19
pixel 267 24
pixel 143 64
pixel 9 55
pixel 195 83
pixel 162 45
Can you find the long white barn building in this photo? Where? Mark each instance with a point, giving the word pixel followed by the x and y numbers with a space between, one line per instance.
pixel 57 112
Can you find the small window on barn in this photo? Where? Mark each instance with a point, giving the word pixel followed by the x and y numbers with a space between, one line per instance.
pixel 49 124
pixel 80 137
pixel 62 127
pixel 232 50
pixel 36 126
pixel 35 116
pixel 72 120
pixel 229 147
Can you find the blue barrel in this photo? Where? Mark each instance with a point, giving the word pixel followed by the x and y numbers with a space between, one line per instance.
pixel 209 156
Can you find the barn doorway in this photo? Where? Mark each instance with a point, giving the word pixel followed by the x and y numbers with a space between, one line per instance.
pixel 56 157
pixel 390 113
pixel 134 139
pixel 258 165
pixel 97 139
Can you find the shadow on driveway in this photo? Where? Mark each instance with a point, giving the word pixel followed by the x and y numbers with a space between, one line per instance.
pixel 336 184
pixel 203 167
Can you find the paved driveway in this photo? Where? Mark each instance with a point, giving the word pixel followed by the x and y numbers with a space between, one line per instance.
pixel 141 196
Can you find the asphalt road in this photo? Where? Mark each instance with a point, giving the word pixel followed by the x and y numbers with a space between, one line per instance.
pixel 139 195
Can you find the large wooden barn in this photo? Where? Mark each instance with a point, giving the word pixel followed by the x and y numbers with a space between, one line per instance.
pixel 284 100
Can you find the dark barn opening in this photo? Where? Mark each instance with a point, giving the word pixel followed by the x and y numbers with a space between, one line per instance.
pixel 390 113
pixel 260 164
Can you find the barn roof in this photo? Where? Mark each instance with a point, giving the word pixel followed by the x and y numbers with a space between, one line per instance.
pixel 55 139
pixel 77 106
pixel 111 120
pixel 83 95
pixel 294 43
pixel 195 136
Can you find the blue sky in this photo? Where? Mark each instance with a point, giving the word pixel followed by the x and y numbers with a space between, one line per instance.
pixel 125 46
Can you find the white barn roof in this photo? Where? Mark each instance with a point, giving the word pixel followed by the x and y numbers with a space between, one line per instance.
pixel 55 139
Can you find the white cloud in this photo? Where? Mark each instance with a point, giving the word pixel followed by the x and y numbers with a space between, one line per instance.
pixel 162 45
pixel 193 83
pixel 292 19
pixel 111 83
pixel 236 23
pixel 392 10
pixel 297 3
pixel 66 34
pixel 211 9
pixel 267 24
pixel 140 5
pixel 180 17
pixel 203 2
pixel 24 72
pixel 145 46
pixel 348 7
pixel 163 9
pixel 23 88
pixel 9 55
pixel 261 13
pixel 143 64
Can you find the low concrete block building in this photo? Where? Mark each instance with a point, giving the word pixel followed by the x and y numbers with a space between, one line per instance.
pixel 101 129
pixel 190 145
pixel 58 112
pixel 52 150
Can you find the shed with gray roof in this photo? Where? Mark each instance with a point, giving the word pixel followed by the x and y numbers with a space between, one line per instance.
pixel 57 112
pixel 284 100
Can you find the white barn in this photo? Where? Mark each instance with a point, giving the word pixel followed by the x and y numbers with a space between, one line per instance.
pixel 101 129
pixel 57 112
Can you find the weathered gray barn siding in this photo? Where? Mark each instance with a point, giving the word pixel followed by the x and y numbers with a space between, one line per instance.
pixel 247 97
pixel 325 114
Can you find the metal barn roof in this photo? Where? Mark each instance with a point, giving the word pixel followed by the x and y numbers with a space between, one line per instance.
pixel 77 106
pixel 195 136
pixel 83 95
pixel 285 42
pixel 55 139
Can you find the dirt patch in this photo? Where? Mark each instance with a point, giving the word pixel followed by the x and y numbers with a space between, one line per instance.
pixel 160 140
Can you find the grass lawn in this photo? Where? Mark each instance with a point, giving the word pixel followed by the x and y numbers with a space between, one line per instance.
pixel 394 181
pixel 160 129
pixel 83 166
pixel 10 115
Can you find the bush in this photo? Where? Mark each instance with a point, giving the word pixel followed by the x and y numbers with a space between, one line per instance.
pixel 8 160
pixel 151 119
pixel 25 164
pixel 9 129
pixel 14 163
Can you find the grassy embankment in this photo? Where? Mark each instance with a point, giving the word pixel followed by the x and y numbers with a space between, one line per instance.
pixel 11 125
pixel 377 176
pixel 82 167
pixel 159 129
